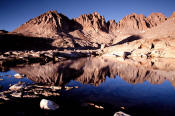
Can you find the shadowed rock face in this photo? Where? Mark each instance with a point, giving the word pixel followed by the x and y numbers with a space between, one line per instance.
pixel 95 70
pixel 3 31
pixel 12 42
pixel 112 26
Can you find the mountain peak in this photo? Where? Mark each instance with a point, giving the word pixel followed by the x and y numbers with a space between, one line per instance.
pixel 133 22
pixel 173 15
pixel 45 25
pixel 53 11
pixel 93 21
pixel 96 13
pixel 53 24
pixel 156 18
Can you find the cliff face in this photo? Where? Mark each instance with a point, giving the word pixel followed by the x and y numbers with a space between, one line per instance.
pixel 156 19
pixel 55 26
pixel 133 22
pixel 112 26
pixel 94 28
pixel 92 22
pixel 137 22
pixel 52 23
pixel 48 24
pixel 173 15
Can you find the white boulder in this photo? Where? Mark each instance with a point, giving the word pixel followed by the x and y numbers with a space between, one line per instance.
pixel 18 76
pixel 48 105
pixel 121 114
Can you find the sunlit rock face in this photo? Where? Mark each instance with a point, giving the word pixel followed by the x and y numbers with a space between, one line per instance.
pixel 94 71
pixel 133 22
pixel 137 23
pixel 173 15
pixel 46 25
pixel 52 24
pixel 93 30
pixel 156 19
pixel 92 22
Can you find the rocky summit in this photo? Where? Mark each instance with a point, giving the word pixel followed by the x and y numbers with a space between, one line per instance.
pixel 48 24
pixel 53 24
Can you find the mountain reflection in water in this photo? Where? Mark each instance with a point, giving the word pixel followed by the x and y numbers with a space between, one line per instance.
pixel 94 71
pixel 144 86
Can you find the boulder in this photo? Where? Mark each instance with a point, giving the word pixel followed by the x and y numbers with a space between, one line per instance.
pixel 48 105
pixel 16 94
pixel 18 76
pixel 121 114
pixel 18 86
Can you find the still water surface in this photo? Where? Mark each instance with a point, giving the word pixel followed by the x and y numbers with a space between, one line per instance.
pixel 158 99
pixel 7 79
pixel 120 86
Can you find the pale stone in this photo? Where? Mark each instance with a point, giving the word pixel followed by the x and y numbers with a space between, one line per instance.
pixel 17 87
pixel 121 114
pixel 48 105
pixel 18 76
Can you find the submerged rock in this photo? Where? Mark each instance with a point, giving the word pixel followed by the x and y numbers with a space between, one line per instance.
pixel 48 105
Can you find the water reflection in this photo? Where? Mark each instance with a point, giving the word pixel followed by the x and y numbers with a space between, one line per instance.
pixel 138 86
pixel 7 79
pixel 139 99
pixel 94 71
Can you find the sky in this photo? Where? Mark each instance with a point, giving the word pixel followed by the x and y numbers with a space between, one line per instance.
pixel 13 13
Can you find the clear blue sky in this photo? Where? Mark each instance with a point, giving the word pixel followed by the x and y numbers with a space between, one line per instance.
pixel 13 13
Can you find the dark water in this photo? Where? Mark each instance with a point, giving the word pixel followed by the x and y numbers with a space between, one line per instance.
pixel 131 88
pixel 143 97
pixel 7 79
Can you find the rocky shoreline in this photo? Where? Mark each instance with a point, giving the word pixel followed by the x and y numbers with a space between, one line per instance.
pixel 13 58
pixel 24 100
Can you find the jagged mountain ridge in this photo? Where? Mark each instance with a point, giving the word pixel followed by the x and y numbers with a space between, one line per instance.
pixel 88 28
pixel 138 22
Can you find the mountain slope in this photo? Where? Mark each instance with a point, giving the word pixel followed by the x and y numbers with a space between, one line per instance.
pixel 46 25
pixel 93 30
